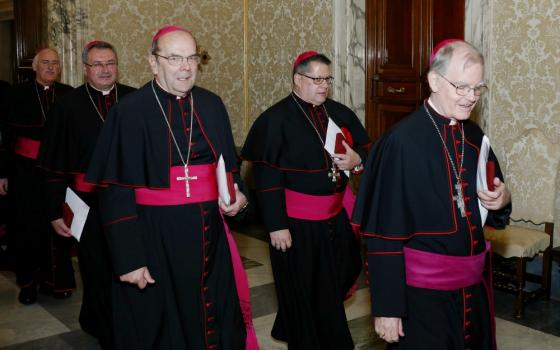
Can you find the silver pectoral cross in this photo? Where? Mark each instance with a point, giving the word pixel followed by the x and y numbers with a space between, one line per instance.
pixel 460 200
pixel 187 178
pixel 334 174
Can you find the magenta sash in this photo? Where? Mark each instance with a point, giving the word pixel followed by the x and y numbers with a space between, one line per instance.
pixel 443 272
pixel 204 189
pixel 310 207
pixel 81 185
pixel 27 147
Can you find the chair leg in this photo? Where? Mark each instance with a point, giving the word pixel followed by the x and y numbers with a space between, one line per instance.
pixel 547 273
pixel 520 277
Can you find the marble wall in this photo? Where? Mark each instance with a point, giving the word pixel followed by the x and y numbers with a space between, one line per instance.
pixel 521 113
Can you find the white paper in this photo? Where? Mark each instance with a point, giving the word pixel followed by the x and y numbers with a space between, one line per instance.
pixel 330 140
pixel 221 176
pixel 481 184
pixel 80 210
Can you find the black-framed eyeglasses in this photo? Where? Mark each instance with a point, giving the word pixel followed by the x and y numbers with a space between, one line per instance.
pixel 319 80
pixel 176 60
pixel 464 90
pixel 101 65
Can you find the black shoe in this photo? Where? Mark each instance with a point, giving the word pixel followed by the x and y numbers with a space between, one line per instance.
pixel 28 295
pixel 62 295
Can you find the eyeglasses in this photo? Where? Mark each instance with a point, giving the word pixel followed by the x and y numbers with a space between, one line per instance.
pixel 319 81
pixel 49 63
pixel 101 65
pixel 464 90
pixel 176 60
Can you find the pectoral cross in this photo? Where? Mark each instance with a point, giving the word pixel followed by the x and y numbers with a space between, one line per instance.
pixel 459 200
pixel 334 174
pixel 187 178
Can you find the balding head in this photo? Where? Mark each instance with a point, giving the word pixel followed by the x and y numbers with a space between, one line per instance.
pixel 46 65
pixel 466 53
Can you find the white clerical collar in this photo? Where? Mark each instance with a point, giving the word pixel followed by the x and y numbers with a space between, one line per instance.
pixel 45 87
pixel 103 92
pixel 304 100
pixel 451 120
pixel 177 97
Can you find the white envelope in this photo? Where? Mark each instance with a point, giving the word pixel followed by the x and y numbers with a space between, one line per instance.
pixel 481 184
pixel 221 176
pixel 330 140
pixel 80 210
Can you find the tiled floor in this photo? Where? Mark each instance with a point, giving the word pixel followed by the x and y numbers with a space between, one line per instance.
pixel 53 324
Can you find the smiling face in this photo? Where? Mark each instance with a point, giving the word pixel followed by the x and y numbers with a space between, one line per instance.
pixel 46 65
pixel 462 70
pixel 306 89
pixel 103 70
pixel 177 80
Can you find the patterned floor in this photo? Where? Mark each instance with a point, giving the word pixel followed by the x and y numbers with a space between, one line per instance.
pixel 53 324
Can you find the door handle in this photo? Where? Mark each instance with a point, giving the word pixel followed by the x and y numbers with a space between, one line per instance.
pixel 392 90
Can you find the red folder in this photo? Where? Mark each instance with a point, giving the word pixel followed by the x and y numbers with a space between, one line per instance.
pixel 490 174
pixel 338 146
pixel 67 214
pixel 231 187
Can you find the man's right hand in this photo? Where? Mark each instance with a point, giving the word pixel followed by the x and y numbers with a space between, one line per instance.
pixel 3 186
pixel 61 228
pixel 389 328
pixel 281 239
pixel 140 277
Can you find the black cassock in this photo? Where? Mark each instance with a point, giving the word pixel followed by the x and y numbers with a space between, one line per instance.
pixel 406 200
pixel 67 147
pixel 41 255
pixel 313 277
pixel 193 303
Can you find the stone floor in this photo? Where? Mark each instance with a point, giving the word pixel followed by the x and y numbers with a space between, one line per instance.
pixel 53 324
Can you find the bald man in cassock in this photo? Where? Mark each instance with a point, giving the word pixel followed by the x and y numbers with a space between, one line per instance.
pixel 181 284
pixel 71 135
pixel 421 212
pixel 42 257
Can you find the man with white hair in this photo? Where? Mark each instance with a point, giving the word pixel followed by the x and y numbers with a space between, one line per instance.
pixel 42 258
pixel 421 215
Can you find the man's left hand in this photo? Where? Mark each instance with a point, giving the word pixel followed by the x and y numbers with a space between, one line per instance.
pixel 497 199
pixel 234 208
pixel 347 161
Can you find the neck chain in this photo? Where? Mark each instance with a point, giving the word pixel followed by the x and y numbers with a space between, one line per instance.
pixel 95 106
pixel 458 188
pixel 186 178
pixel 334 174
pixel 41 103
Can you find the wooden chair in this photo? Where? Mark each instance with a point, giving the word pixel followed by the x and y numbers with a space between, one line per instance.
pixel 531 165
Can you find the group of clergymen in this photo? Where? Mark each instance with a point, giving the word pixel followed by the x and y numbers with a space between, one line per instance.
pixel 159 266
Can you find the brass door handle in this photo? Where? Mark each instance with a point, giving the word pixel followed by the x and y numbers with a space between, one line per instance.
pixel 392 90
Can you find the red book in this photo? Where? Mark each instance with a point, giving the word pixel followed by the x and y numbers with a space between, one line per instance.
pixel 338 146
pixel 67 214
pixel 231 187
pixel 490 174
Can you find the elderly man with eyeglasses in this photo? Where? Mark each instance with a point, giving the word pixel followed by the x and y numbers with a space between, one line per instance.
pixel 301 189
pixel 421 212
pixel 69 141
pixel 42 257
pixel 181 283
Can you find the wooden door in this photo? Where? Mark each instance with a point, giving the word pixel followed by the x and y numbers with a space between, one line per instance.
pixel 400 36
pixel 29 36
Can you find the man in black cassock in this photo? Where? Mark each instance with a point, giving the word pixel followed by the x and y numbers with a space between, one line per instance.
pixel 422 214
pixel 300 186
pixel 42 257
pixel 157 155
pixel 71 134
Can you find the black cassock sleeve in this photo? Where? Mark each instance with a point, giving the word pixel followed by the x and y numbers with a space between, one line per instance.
pixel 386 277
pixel 269 183
pixel 125 233
pixel 55 193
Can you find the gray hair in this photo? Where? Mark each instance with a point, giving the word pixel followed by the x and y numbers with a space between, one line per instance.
pixel 96 44
pixel 443 56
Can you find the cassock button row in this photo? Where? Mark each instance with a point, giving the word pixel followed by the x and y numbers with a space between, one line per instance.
pixel 206 228
pixel 205 274
pixel 205 289
pixel 475 241
pixel 468 295
pixel 467 323
pixel 210 331
pixel 206 259
pixel 208 305
pixel 467 336
pixel 210 318
pixel 467 310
